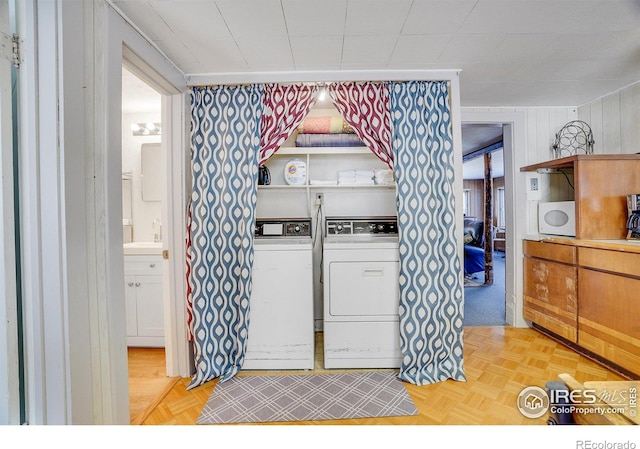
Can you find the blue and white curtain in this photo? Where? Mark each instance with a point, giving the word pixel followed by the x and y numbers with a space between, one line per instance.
pixel 225 143
pixel 431 304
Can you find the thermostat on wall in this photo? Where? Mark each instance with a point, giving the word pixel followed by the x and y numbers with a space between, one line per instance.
pixel 295 172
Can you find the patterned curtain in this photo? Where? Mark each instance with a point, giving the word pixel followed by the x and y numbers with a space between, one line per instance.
pixel 225 142
pixel 431 309
pixel 365 106
pixel 285 106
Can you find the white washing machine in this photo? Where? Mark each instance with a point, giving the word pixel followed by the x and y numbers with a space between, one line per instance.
pixel 361 293
pixel 281 324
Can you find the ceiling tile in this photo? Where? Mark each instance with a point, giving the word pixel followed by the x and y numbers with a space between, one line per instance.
pixel 253 18
pixel 534 16
pixel 315 17
pixel 192 19
pixel 419 48
pixel 266 53
pixel 146 18
pixel 374 17
pixel 470 48
pixel 317 52
pixel 372 50
pixel 180 55
pixel 437 17
pixel 221 55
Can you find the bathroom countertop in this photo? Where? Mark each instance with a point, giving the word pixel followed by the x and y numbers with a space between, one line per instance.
pixel 142 248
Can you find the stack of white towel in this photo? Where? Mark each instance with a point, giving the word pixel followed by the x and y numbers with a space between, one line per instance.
pixel 357 177
pixel 383 176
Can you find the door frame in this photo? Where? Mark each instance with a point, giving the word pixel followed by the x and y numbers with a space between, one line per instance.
pixel 514 141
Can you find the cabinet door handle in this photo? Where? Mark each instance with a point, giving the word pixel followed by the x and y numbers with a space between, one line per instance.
pixel 130 284
pixel 137 284
pixel 153 265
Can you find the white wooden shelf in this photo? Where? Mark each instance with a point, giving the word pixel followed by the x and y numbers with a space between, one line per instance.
pixel 295 151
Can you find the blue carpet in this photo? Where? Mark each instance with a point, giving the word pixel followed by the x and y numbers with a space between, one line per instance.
pixel 484 305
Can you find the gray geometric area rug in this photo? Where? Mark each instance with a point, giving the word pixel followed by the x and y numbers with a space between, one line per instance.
pixel 306 397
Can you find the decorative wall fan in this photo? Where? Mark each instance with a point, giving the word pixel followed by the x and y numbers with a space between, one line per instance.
pixel 574 138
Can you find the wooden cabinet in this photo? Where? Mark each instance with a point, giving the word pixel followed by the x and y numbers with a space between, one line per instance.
pixel 608 324
pixel 144 301
pixel 586 293
pixel 601 184
pixel 550 287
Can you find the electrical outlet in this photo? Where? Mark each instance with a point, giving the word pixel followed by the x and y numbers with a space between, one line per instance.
pixel 319 199
pixel 534 184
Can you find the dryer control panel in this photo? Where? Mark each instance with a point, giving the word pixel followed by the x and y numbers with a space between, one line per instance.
pixel 361 226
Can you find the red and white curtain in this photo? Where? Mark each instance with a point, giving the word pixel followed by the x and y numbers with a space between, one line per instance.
pixel 365 107
pixel 284 108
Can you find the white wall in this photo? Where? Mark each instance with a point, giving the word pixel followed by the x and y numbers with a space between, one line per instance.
pixel 614 121
pixel 143 212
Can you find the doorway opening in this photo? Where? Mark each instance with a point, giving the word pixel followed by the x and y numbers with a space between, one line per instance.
pixel 484 206
pixel 142 228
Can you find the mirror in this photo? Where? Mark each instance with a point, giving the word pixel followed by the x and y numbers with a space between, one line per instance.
pixel 151 170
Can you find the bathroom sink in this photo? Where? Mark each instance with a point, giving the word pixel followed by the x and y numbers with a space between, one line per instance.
pixel 142 248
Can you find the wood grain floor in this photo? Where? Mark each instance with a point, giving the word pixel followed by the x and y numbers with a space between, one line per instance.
pixel 148 381
pixel 499 363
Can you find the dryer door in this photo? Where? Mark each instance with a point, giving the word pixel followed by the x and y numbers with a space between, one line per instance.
pixel 364 289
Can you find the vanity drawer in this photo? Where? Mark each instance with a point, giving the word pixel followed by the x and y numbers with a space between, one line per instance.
pixel 143 265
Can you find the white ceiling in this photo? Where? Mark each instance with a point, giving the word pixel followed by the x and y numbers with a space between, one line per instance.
pixel 510 52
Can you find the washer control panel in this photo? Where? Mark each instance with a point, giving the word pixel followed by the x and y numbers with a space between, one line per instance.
pixel 285 227
pixel 362 226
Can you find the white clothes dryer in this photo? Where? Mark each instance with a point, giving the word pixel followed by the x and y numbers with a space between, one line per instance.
pixel 361 293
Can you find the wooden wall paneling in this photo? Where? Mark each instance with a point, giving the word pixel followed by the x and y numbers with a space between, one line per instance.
pixel 629 119
pixel 611 123
pixel 597 126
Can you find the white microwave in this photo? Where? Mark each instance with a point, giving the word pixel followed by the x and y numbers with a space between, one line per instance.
pixel 557 218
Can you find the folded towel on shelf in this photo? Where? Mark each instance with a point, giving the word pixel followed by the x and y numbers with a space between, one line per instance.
pixel 324 125
pixel 356 182
pixel 383 176
pixel 356 173
pixel 328 140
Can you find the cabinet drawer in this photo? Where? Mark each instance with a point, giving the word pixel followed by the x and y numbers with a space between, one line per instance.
pixel 143 265
pixel 550 251
pixel 607 260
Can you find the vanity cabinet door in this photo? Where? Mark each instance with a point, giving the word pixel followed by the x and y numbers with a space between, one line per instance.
pixel 609 306
pixel 550 288
pixel 130 303
pixel 144 302
pixel 150 310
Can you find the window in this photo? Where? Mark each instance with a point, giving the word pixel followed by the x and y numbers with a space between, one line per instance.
pixel 466 202
pixel 500 212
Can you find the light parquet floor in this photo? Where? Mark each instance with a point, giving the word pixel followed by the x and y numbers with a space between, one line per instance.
pixel 499 363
